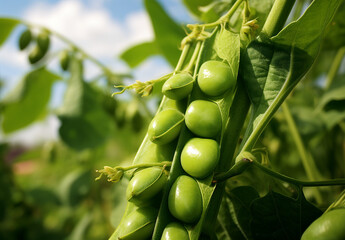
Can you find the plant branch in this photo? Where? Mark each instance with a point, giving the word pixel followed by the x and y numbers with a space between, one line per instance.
pixel 335 67
pixel 277 17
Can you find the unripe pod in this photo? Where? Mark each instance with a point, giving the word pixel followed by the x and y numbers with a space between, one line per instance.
pixel 35 55
pixel 139 224
pixel 199 157
pixel 178 86
pixel 185 200
pixel 64 60
pixel 175 231
pixel 146 184
pixel 215 78
pixel 330 226
pixel 165 126
pixel 43 41
pixel 203 118
pixel 25 39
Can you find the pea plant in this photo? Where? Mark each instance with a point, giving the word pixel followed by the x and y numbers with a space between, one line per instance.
pixel 202 161
pixel 247 141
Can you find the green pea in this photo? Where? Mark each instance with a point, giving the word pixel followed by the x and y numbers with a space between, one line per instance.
pixel 184 200
pixel 175 231
pixel 64 60
pixel 139 224
pixel 35 55
pixel 178 86
pixel 330 226
pixel 146 184
pixel 25 39
pixel 165 126
pixel 199 157
pixel 43 41
pixel 215 78
pixel 203 118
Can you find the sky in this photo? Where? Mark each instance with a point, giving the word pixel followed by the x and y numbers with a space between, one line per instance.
pixel 103 28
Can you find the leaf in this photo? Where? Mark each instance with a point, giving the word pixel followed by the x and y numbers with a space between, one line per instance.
pixel 75 186
pixel 272 69
pixel 167 33
pixel 276 216
pixel 138 53
pixel 228 48
pixel 195 5
pixel 84 122
pixel 7 25
pixel 29 100
pixel 306 32
pixel 260 10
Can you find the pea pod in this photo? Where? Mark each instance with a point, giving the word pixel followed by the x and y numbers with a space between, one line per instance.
pixel 64 60
pixel 330 226
pixel 178 86
pixel 25 39
pixel 185 201
pixel 146 184
pixel 175 231
pixel 165 126
pixel 43 41
pixel 35 55
pixel 139 224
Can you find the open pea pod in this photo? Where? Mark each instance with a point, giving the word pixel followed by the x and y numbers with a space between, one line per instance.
pixel 222 46
pixel 150 152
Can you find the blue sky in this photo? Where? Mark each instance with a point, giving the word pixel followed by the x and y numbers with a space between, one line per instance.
pixel 103 28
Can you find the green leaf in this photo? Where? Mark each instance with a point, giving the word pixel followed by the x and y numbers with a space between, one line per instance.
pixel 228 48
pixel 167 33
pixel 138 53
pixel 84 122
pixel 306 32
pixel 272 69
pixel 276 216
pixel 195 5
pixel 28 102
pixel 260 9
pixel 7 25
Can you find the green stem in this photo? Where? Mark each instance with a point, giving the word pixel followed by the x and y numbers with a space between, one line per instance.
pixel 146 165
pixel 294 181
pixel 108 72
pixel 182 58
pixel 193 58
pixel 335 66
pixel 277 17
pixel 222 20
pixel 307 160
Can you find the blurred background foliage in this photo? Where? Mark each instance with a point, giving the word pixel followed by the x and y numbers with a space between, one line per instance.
pixel 49 191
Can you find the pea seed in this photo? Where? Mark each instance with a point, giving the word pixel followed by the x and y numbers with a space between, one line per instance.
pixel 203 118
pixel 146 184
pixel 184 200
pixel 178 86
pixel 139 224
pixel 175 231
pixel 165 126
pixel 215 78
pixel 199 157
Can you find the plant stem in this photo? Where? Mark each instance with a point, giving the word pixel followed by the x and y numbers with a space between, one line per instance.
pixel 194 57
pixel 277 17
pixel 182 58
pixel 145 165
pixel 221 20
pixel 294 181
pixel 307 160
pixel 335 67
pixel 108 72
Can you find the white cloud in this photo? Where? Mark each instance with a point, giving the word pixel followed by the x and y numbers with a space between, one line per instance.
pixel 93 29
